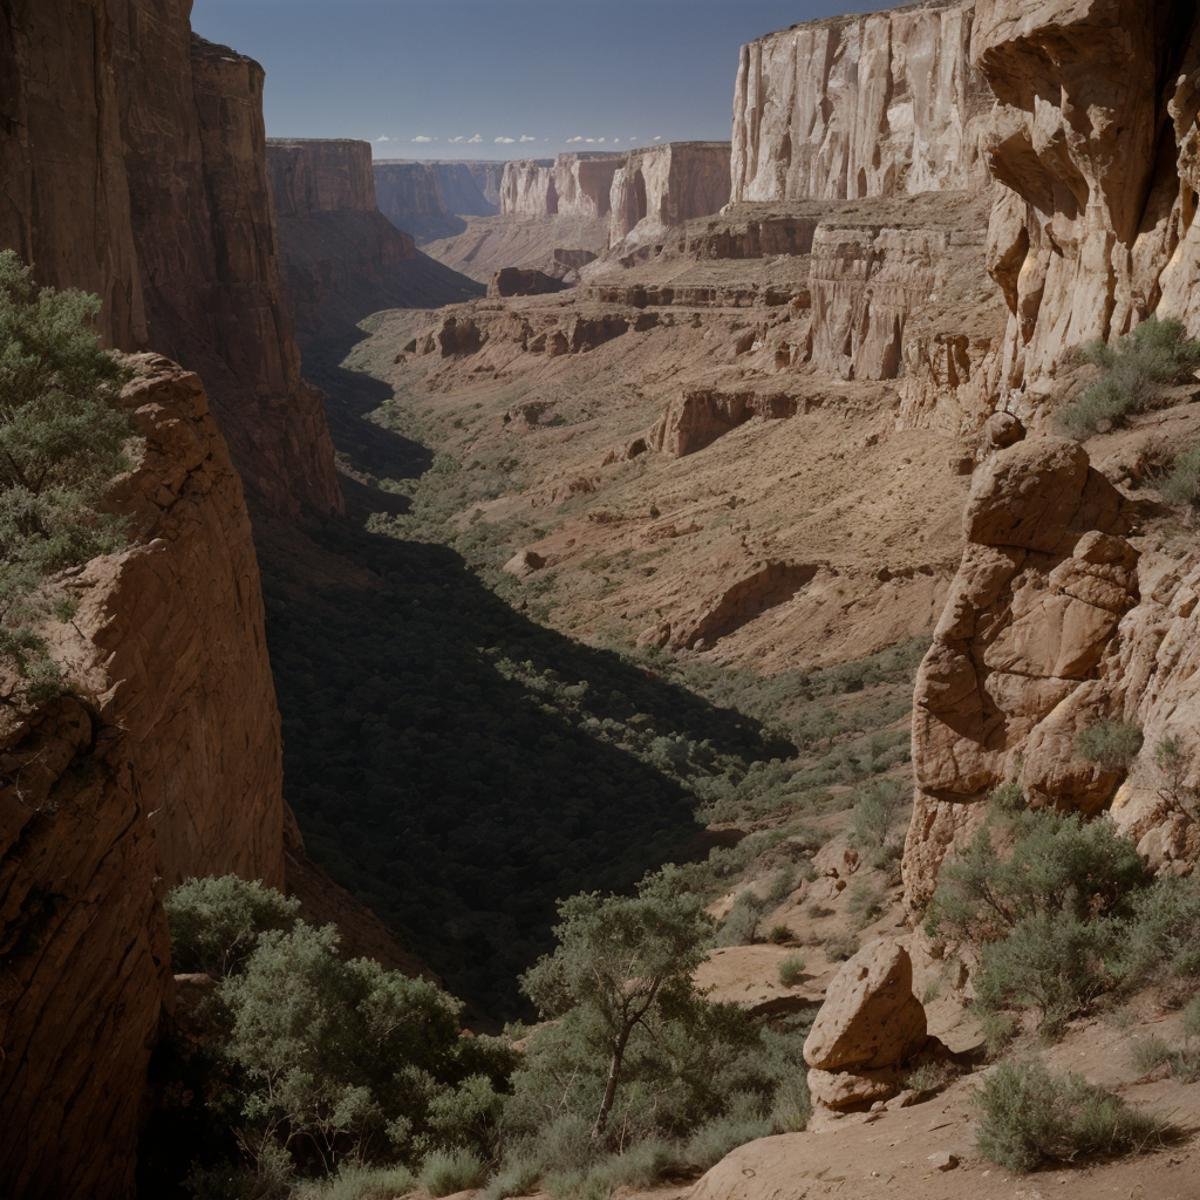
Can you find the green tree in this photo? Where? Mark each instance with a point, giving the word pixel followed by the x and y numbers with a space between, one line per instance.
pixel 61 443
pixel 622 964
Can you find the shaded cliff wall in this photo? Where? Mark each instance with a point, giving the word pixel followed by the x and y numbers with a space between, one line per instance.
pixel 429 199
pixel 572 185
pixel 164 761
pixel 134 164
pixel 342 258
pixel 851 107
pixel 1095 140
pixel 663 186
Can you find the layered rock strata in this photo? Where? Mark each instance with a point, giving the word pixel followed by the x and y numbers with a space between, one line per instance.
pixel 134 162
pixel 857 106
pixel 161 760
pixel 429 199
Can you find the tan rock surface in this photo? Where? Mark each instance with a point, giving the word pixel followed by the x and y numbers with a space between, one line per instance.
pixel 660 187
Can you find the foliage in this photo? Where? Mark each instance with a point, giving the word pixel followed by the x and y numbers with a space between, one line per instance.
pixel 445 1172
pixel 791 970
pixel 1110 744
pixel 874 815
pixel 740 926
pixel 864 903
pixel 359 1183
pixel 1181 483
pixel 779 935
pixel 61 443
pixel 1133 369
pixel 1029 1116
pixel 841 946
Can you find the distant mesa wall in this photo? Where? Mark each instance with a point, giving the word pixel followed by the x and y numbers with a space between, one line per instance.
pixel 133 160
pixel 571 185
pixel 860 106
pixel 314 175
pixel 663 186
pixel 429 199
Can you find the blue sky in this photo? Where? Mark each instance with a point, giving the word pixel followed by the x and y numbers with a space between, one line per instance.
pixel 471 74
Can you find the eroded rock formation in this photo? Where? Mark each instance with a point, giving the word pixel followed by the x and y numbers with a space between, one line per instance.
pixel 134 166
pixel 429 199
pixel 571 185
pixel 701 416
pixel 660 187
pixel 1095 138
pixel 131 781
pixel 861 106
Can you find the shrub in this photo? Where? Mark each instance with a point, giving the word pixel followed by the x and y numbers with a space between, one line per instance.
pixel 61 443
pixel 360 1183
pixel 1181 483
pixel 215 922
pixel 1029 1116
pixel 875 813
pixel 445 1172
pixel 841 946
pixel 1154 354
pixel 791 970
pixel 779 935
pixel 864 903
pixel 740 927
pixel 931 1077
pixel 1160 942
pixel 1110 744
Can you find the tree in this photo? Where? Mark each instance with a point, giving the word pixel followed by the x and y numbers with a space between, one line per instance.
pixel 622 963
pixel 61 443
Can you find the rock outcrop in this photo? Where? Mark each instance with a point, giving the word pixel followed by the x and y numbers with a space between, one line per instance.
pixel 571 185
pixel 518 281
pixel 342 259
pixel 859 106
pixel 660 187
pixel 1095 138
pixel 162 760
pixel 134 165
pixel 869 1028
pixel 703 415
pixel 428 200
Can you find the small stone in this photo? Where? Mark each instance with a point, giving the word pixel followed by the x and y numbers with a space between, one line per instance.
pixel 943 1160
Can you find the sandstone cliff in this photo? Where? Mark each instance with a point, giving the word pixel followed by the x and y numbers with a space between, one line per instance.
pixel 571 185
pixel 429 199
pixel 342 259
pixel 1095 138
pixel 663 186
pixel 861 106
pixel 163 760
pixel 134 164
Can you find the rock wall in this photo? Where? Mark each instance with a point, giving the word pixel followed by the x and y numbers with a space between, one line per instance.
pixel 663 186
pixel 133 156
pixel 342 258
pixel 429 199
pixel 571 185
pixel 1095 138
pixel 163 761
pixel 860 106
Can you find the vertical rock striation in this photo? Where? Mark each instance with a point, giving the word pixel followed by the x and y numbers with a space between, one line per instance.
pixel 859 106
pixel 429 199
pixel 134 164
pixel 663 186
pixel 163 761
pixel 571 185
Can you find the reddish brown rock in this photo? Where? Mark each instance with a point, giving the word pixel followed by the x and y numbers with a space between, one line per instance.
pixel 428 199
pixel 518 281
pixel 702 416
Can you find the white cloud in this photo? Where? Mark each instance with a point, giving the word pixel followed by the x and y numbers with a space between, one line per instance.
pixel 423 140
pixel 475 139
pixel 658 138
pixel 526 138
pixel 384 138
pixel 616 141
pixel 456 141
pixel 602 139
pixel 504 141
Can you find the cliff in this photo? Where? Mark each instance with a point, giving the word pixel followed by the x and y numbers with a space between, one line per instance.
pixel 162 760
pixel 571 185
pixel 429 199
pixel 1095 138
pixel 133 156
pixel 663 186
pixel 851 107
pixel 342 258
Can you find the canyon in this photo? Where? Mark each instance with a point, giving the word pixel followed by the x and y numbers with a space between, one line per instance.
pixel 729 416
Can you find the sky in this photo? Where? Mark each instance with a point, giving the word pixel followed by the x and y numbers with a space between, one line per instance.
pixel 501 78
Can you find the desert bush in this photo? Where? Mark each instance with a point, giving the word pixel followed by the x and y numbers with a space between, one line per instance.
pixel 779 935
pixel 445 1172
pixel 874 815
pixel 740 926
pixel 1110 744
pixel 931 1077
pixel 864 902
pixel 791 970
pixel 1156 353
pixel 1160 942
pixel 62 440
pixel 1028 1116
pixel 841 946
pixel 1181 482
pixel 354 1182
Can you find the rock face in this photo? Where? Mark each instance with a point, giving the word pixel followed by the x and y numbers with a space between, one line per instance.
pixel 1021 658
pixel 869 1026
pixel 571 185
pixel 1094 136
pixel 342 259
pixel 429 199
pixel 861 106
pixel 124 786
pixel 133 158
pixel 701 416
pixel 663 186
pixel 517 281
